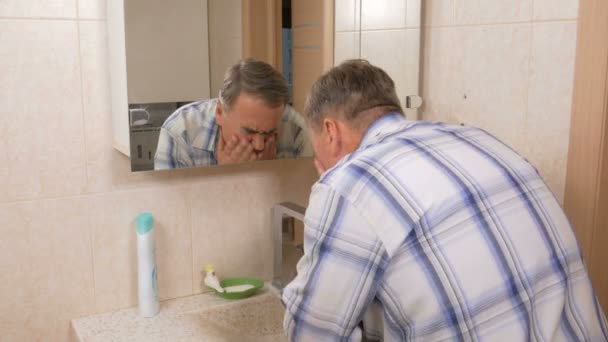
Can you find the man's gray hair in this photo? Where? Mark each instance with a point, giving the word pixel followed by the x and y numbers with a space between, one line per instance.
pixel 255 78
pixel 349 91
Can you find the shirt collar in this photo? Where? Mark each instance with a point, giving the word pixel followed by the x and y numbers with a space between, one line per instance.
pixel 211 142
pixel 382 127
pixel 385 125
pixel 207 138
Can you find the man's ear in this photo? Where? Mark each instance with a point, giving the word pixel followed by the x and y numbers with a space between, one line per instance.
pixel 333 136
pixel 219 114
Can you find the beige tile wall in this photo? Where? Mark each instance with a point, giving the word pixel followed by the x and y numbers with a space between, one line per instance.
pixel 508 67
pixel 68 200
pixel 387 33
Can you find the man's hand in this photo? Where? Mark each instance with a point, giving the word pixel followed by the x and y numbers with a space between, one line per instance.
pixel 270 149
pixel 235 150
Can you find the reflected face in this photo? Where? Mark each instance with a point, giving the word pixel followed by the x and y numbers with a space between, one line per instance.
pixel 251 119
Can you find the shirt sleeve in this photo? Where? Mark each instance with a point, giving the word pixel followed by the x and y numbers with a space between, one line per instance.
pixel 171 152
pixel 339 274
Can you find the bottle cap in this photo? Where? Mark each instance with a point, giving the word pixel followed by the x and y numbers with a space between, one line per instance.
pixel 145 223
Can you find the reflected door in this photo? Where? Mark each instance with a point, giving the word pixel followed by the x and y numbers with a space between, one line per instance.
pixel 312 45
pixel 312 39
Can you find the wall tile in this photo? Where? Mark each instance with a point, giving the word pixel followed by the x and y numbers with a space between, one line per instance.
pixel 47 277
pixel 469 12
pixel 15 266
pixel 555 9
pixel 491 78
pixel 302 170
pixel 550 101
pixel 95 72
pixel 42 142
pixel 380 15
pixel 402 63
pixel 60 245
pixel 294 176
pixel 115 245
pixel 92 9
pixel 346 46
pixel 38 9
pixel 228 231
pixel 438 12
pixel 413 13
pixel 97 106
pixel 347 15
pixel 411 63
pixel 438 91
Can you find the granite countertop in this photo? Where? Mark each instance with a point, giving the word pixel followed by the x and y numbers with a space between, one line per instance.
pixel 193 318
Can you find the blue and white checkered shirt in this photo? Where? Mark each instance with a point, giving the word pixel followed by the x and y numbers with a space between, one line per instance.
pixel 188 137
pixel 438 233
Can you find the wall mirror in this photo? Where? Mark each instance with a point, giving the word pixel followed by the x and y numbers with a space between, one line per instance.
pixel 168 61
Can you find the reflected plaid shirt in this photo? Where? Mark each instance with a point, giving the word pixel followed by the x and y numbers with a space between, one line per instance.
pixel 439 233
pixel 188 137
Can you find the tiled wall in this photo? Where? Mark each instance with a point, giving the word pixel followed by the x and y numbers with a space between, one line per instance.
pixel 508 67
pixel 387 33
pixel 68 199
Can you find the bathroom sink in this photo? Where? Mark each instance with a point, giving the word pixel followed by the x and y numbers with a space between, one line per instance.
pixel 258 318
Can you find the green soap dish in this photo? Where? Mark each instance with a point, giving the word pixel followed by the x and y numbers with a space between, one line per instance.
pixel 227 283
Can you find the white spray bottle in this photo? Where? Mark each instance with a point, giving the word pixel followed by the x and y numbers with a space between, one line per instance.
pixel 146 266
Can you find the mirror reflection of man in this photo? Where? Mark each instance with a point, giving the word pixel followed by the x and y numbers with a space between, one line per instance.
pixel 249 121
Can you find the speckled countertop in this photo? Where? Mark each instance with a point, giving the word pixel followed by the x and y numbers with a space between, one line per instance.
pixel 204 317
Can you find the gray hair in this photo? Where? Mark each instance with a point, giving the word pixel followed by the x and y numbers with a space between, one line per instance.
pixel 254 78
pixel 349 91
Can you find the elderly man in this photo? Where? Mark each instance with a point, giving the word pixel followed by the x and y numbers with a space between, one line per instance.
pixel 430 232
pixel 249 121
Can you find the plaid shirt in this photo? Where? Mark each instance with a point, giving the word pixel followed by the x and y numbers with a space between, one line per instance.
pixel 188 137
pixel 438 233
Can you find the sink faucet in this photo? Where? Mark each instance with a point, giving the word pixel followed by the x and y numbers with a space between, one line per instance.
pixel 286 253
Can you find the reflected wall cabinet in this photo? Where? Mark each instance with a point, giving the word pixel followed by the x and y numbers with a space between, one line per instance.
pixel 159 56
